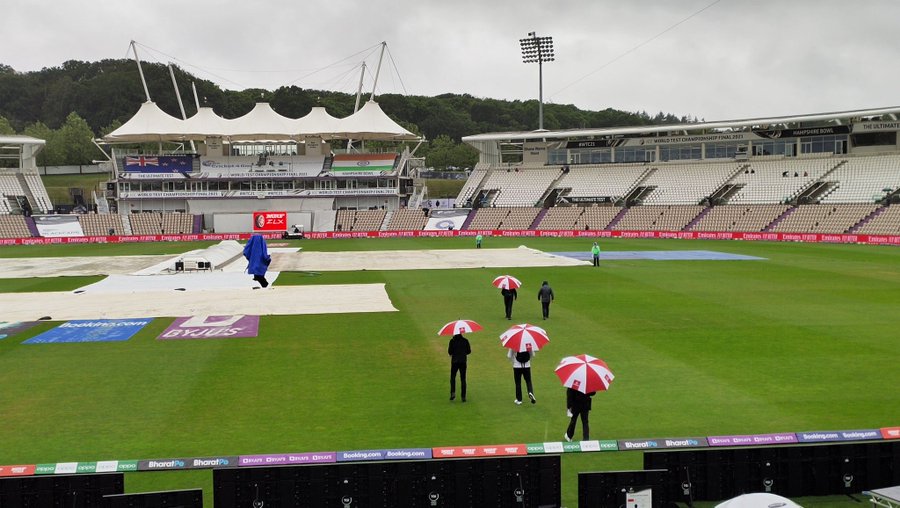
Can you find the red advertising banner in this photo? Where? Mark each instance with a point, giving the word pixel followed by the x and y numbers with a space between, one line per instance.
pixel 269 221
pixel 890 432
pixel 276 230
pixel 456 452
pixel 16 470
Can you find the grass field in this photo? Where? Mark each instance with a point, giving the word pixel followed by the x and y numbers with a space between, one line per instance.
pixel 803 340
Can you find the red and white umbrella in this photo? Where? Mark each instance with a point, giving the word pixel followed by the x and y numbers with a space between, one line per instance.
pixel 459 326
pixel 524 337
pixel 584 373
pixel 507 282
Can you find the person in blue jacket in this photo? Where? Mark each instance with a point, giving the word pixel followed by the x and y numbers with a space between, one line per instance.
pixel 258 258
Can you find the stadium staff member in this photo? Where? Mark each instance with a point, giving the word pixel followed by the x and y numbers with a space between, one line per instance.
pixel 595 254
pixel 258 259
pixel 545 296
pixel 509 296
pixel 459 350
pixel 578 404
pixel 521 362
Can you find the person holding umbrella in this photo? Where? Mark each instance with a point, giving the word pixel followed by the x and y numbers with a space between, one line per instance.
pixel 508 285
pixel 509 296
pixel 523 341
pixel 578 405
pixel 583 376
pixel 458 349
pixel 521 363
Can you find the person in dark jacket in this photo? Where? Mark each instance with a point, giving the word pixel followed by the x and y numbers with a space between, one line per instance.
pixel 545 296
pixel 459 350
pixel 509 295
pixel 258 258
pixel 578 404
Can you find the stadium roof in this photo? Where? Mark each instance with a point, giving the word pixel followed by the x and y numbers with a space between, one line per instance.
pixel 655 129
pixel 20 140
pixel 262 123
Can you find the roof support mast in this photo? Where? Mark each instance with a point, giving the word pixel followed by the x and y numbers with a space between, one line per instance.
pixel 140 71
pixel 180 104
pixel 374 85
pixel 378 70
pixel 362 73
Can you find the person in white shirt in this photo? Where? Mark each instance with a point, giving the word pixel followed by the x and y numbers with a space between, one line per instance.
pixel 521 362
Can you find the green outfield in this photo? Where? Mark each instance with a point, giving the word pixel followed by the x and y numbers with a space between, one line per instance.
pixel 803 340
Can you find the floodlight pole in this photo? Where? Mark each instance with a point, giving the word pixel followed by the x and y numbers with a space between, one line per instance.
pixel 538 50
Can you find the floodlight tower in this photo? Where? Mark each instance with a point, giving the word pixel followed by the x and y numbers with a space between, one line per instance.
pixel 539 50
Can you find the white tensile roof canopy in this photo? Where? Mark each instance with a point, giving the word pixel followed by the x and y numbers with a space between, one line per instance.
pixel 262 123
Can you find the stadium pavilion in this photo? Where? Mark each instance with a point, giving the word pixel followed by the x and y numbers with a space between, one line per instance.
pixel 823 173
pixel 826 174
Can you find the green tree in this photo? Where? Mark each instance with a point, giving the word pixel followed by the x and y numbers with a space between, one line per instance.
pixel 6 128
pixel 40 131
pixel 76 138
pixel 440 152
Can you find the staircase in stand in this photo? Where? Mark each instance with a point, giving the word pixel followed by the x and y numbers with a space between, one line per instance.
pixel 697 219
pixel 617 218
pixel 537 220
pixel 865 220
pixel 779 219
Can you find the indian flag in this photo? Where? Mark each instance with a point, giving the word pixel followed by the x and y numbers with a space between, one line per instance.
pixel 363 162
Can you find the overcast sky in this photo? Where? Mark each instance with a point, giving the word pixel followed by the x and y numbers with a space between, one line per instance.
pixel 716 60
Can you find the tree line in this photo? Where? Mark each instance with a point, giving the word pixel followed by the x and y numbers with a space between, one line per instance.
pixel 72 104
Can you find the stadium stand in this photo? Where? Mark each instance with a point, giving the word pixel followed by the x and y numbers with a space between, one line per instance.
pixel 37 189
pixel 778 180
pixel 602 180
pixel 519 186
pixel 473 183
pixel 13 226
pixel 94 224
pixel 685 184
pixel 9 185
pixel 359 220
pixel 513 218
pixel 406 219
pixel 822 218
pixel 886 221
pixel 161 223
pixel 578 218
pixel 658 217
pixel 863 179
pixel 739 217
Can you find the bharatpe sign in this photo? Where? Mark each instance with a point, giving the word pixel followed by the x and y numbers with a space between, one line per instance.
pixel 192 463
pixel 838 435
pixel 212 327
pixel 654 444
pixel 91 330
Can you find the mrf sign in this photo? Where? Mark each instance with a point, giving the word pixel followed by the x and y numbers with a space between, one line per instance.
pixel 269 221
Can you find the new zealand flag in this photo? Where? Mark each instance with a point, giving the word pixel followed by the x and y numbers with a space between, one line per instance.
pixel 160 164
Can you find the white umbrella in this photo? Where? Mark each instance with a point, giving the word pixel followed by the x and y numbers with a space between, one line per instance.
pixel 758 500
